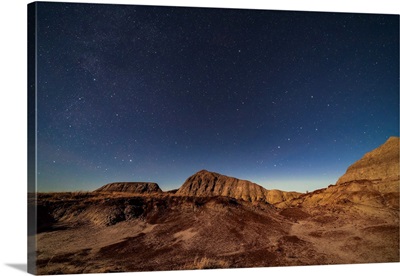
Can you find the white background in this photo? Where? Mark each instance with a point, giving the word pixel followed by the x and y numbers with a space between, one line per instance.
pixel 13 135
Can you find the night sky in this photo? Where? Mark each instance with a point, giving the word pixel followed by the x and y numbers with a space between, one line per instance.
pixel 136 93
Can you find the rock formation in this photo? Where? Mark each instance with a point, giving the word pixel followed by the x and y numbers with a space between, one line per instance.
pixel 277 196
pixel 381 164
pixel 208 184
pixel 353 221
pixel 131 187
pixel 372 181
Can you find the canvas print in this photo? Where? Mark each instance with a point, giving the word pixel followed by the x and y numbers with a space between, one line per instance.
pixel 176 138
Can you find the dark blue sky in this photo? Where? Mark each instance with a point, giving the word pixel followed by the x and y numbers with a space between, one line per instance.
pixel 284 99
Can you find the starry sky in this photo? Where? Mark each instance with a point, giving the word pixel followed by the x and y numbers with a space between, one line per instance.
pixel 138 93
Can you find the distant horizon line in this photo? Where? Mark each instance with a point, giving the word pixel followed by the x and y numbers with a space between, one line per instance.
pixel 177 188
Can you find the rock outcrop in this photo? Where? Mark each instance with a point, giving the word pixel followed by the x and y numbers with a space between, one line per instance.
pixel 353 221
pixel 131 187
pixel 208 184
pixel 371 182
pixel 381 164
pixel 278 196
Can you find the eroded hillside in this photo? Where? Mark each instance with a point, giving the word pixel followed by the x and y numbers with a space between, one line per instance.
pixel 215 221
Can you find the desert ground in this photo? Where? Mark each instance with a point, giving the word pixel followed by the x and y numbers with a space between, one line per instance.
pixel 217 221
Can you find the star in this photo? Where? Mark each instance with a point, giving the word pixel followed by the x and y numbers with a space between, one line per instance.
pixel 141 81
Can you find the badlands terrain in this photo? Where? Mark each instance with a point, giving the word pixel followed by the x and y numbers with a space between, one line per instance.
pixel 217 221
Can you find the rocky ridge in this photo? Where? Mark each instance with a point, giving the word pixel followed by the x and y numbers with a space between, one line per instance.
pixel 371 182
pixel 209 184
pixel 131 187
pixel 377 165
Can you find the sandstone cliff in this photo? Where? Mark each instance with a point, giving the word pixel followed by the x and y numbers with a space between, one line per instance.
pixel 378 165
pixel 207 184
pixel 131 187
pixel 371 182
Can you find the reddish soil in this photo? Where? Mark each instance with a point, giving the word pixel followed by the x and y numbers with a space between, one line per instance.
pixel 114 232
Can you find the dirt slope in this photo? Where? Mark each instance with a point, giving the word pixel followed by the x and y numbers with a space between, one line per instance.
pixel 357 219
pixel 162 232
pixel 167 232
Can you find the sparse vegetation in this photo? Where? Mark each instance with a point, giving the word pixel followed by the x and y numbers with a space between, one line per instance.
pixel 207 263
